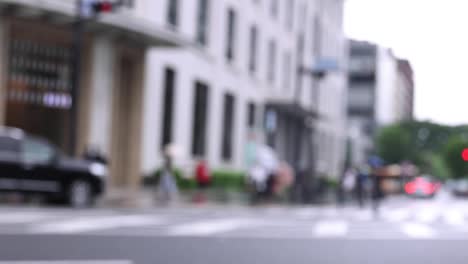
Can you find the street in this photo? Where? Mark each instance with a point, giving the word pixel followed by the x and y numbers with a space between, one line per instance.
pixel 405 231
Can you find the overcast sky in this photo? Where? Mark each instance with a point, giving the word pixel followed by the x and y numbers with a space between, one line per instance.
pixel 433 35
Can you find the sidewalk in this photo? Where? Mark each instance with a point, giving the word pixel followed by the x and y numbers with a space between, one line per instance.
pixel 146 198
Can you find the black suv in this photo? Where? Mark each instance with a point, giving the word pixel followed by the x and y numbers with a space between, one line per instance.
pixel 30 165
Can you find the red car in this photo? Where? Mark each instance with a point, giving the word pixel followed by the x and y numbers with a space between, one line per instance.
pixel 422 187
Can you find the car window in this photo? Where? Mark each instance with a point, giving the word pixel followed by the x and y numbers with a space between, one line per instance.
pixel 9 148
pixel 36 151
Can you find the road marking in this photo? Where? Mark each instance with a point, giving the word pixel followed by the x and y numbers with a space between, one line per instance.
pixel 22 217
pixel 427 215
pixel 454 218
pixel 395 215
pixel 70 262
pixel 418 230
pixel 363 216
pixel 210 227
pixel 95 223
pixel 305 213
pixel 331 228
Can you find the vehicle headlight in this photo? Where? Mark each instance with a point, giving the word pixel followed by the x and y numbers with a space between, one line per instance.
pixel 98 169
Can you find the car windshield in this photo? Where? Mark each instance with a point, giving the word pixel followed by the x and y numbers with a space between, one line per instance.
pixel 223 131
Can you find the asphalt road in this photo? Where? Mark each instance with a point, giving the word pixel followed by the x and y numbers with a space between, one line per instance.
pixel 406 231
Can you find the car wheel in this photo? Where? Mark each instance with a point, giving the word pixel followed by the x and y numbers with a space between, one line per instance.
pixel 80 194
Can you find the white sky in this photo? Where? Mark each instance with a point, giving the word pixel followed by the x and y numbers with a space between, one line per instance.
pixel 433 35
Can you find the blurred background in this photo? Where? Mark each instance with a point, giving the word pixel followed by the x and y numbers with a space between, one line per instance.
pixel 182 118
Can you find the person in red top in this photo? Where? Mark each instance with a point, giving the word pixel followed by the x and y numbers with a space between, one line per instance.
pixel 202 175
pixel 203 178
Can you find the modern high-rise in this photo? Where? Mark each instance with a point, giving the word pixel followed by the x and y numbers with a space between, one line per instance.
pixel 380 91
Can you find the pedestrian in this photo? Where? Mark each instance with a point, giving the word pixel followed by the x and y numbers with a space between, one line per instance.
pixel 376 164
pixel 167 182
pixel 360 186
pixel 203 179
pixel 349 182
pixel 258 176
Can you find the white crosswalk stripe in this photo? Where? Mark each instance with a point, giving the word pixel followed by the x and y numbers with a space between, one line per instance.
pixel 427 215
pixel 70 262
pixel 86 224
pixel 22 217
pixel 210 227
pixel 418 230
pixel 332 228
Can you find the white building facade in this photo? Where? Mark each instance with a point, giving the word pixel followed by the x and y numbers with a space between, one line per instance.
pixel 245 55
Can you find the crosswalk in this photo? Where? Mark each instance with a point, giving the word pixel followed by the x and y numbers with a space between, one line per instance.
pixel 434 222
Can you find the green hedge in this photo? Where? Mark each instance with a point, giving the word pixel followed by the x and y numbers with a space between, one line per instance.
pixel 221 179
pixel 227 179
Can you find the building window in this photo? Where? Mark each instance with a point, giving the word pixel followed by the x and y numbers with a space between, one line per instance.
pixel 253 49
pixel 200 111
pixel 274 8
pixel 228 127
pixel 168 106
pixel 202 21
pixel 251 115
pixel 287 70
pixel 172 12
pixel 317 37
pixel 290 5
pixel 271 61
pixel 230 39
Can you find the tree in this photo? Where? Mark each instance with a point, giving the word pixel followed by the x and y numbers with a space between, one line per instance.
pixel 394 144
pixel 452 156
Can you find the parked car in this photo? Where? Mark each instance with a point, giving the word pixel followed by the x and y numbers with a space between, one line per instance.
pixel 31 165
pixel 460 187
pixel 422 187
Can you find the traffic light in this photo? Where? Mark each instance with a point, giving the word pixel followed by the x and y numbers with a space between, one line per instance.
pixel 103 7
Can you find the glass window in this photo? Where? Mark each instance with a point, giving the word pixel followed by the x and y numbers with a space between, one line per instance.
pixel 228 126
pixel 290 14
pixel 274 8
pixel 251 115
pixel 200 119
pixel 9 148
pixel 287 70
pixel 202 21
pixel 231 28
pixel 172 10
pixel 168 109
pixel 253 49
pixel 271 60
pixel 36 151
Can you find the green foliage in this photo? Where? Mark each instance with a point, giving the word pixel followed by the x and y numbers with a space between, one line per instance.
pixel 452 156
pixel 221 179
pixel 436 166
pixel 394 144
pixel 227 179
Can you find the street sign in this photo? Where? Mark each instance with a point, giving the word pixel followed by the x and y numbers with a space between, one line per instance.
pixel 270 122
pixel 325 65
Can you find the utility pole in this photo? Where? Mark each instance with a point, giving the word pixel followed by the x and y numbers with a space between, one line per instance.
pixel 299 182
